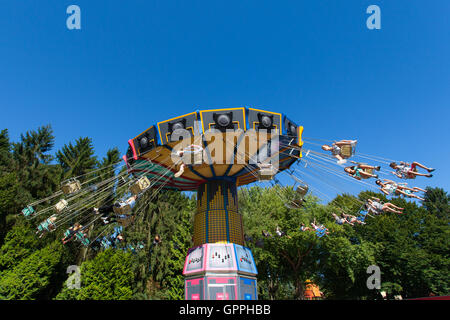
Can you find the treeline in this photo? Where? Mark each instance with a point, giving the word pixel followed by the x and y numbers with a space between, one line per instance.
pixel 32 268
pixel 410 249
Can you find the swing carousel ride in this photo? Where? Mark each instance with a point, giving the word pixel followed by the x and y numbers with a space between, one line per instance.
pixel 213 152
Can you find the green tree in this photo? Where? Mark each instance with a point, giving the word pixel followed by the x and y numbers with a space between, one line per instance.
pixel 20 242
pixel 26 173
pixel 35 276
pixel 169 216
pixel 109 276
pixel 78 159
pixel 10 201
pixel 5 152
pixel 287 261
pixel 437 202
pixel 411 249
pixel 37 176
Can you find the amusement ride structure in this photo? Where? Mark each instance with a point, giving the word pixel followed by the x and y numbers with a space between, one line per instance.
pixel 220 150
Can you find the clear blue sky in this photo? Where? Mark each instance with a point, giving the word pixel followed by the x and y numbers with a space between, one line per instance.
pixel 135 63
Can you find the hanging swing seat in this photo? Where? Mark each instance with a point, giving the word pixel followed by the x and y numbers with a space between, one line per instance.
pixel 86 242
pixel 294 204
pixel 28 211
pixel 367 170
pixel 348 150
pixel 79 235
pixel 140 185
pixel 61 205
pixel 266 172
pixel 298 200
pixel 361 218
pixel 47 225
pixel 321 231
pixel 83 238
pixel 302 191
pixel 71 186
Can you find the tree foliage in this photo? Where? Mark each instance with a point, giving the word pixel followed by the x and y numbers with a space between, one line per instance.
pixel 32 278
pixel 109 276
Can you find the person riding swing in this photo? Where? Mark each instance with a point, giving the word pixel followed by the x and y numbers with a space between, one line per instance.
pixel 70 233
pixel 375 206
pixel 362 171
pixel 116 211
pixel 404 170
pixel 341 150
pixel 47 225
pixel 340 221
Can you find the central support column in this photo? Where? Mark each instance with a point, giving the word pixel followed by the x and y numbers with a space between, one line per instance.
pixel 217 218
pixel 219 267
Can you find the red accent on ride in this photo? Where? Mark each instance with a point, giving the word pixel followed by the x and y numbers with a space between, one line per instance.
pixel 131 143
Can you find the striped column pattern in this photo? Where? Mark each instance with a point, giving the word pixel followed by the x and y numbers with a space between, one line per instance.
pixel 217 218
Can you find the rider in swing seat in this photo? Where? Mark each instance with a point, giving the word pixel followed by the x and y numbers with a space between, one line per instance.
pixel 404 170
pixel 28 211
pixel 361 171
pixel 341 150
pixel 70 233
pixel 47 225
